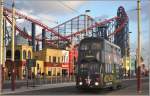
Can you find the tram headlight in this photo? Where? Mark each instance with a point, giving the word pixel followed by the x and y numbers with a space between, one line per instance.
pixel 80 83
pixel 96 83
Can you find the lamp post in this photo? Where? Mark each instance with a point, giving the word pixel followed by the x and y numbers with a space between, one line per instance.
pixel 13 48
pixel 139 48
pixel 1 42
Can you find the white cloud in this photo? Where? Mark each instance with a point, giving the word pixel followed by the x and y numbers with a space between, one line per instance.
pixel 45 11
pixel 48 7
pixel 47 19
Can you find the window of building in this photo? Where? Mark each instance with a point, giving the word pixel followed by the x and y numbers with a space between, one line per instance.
pixel 49 58
pixel 38 66
pixel 54 59
pixel 29 54
pixel 24 54
pixel 58 59
pixel 62 59
pixel 17 54
pixel 8 54
pixel 49 73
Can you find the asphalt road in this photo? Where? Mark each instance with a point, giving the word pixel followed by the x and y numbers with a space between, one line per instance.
pixel 129 88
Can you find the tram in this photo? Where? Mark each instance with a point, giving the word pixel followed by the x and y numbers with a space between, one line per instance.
pixel 99 64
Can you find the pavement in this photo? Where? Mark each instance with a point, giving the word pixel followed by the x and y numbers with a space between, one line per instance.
pixel 37 87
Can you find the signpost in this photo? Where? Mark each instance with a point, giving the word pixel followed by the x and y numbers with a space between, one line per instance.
pixel 139 48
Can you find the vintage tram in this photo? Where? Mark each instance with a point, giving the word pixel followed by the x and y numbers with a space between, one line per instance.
pixel 99 64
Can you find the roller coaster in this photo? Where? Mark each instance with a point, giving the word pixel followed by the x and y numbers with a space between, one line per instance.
pixel 74 30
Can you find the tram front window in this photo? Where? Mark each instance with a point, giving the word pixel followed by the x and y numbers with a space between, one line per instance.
pixel 89 68
pixel 87 46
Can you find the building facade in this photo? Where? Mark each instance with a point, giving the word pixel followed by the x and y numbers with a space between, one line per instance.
pixel 56 61
pixel 22 52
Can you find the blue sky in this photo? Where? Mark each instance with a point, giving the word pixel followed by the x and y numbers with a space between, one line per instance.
pixel 49 11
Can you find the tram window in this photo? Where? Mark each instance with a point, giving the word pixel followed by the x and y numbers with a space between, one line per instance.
pixel 109 68
pixel 95 46
pixel 106 68
pixel 108 48
pixel 84 46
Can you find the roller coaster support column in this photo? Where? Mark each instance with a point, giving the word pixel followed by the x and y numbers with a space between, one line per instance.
pixel 139 49
pixel 1 42
pixel 13 48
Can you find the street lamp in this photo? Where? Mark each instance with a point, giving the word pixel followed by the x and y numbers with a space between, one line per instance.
pixel 139 47
pixel 1 42
pixel 13 46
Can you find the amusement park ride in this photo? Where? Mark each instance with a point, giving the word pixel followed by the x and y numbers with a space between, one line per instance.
pixel 114 29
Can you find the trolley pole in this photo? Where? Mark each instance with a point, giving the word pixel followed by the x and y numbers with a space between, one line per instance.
pixel 139 49
pixel 1 43
pixel 13 48
pixel 86 22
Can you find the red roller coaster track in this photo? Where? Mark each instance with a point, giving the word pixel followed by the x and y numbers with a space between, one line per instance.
pixel 26 35
pixel 51 30
pixel 36 22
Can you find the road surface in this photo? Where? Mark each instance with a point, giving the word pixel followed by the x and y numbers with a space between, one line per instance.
pixel 129 88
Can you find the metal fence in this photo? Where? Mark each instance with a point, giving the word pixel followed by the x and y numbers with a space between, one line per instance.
pixel 49 80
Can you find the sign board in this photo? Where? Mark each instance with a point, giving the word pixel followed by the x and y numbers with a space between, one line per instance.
pixel 65 66
pixel 31 63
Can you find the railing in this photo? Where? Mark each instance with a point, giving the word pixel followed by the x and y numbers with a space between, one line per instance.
pixel 49 80
pixel 35 82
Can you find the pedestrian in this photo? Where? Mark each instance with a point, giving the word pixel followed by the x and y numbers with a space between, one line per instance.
pixel 9 74
pixel 33 75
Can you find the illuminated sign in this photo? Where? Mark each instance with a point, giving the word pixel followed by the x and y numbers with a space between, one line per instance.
pixel 66 65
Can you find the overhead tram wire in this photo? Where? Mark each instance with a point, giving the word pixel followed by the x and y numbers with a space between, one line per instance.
pixel 67 6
